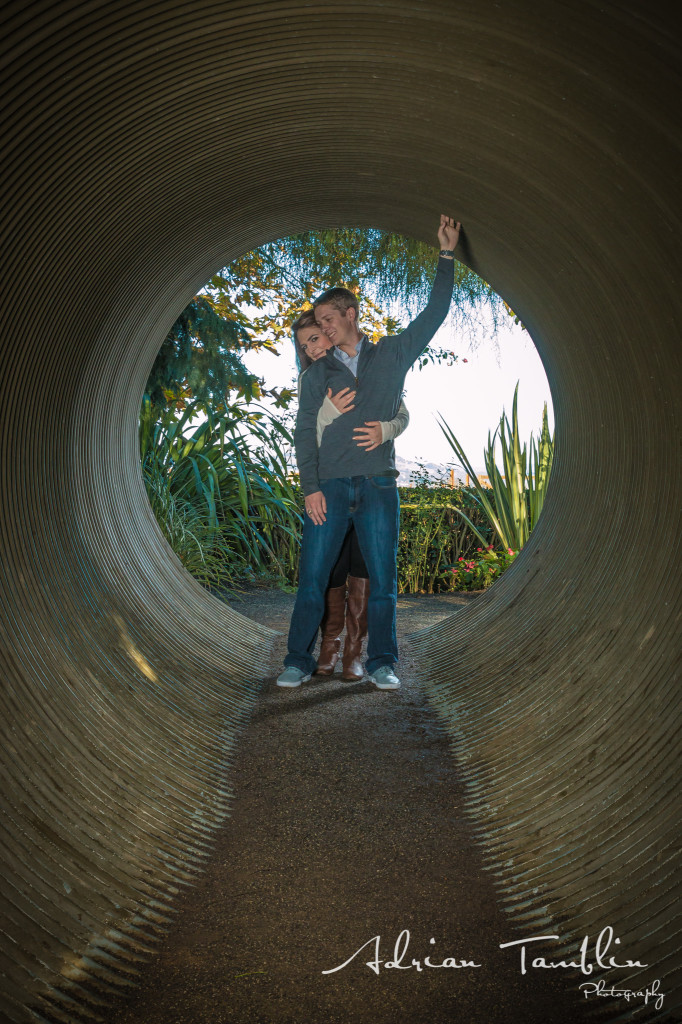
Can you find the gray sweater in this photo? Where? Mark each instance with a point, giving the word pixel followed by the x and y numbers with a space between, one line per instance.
pixel 379 384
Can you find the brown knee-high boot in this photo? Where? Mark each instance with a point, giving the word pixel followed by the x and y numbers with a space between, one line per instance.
pixel 356 628
pixel 332 627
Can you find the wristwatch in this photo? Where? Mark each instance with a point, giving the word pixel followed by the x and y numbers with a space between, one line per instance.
pixel 447 252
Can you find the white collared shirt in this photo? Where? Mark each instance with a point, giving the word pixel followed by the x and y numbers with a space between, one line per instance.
pixel 351 361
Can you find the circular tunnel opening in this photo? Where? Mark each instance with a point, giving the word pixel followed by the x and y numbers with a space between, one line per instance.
pixel 229 369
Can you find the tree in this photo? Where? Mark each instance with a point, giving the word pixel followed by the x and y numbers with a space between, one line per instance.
pixel 200 359
pixel 281 278
pixel 251 303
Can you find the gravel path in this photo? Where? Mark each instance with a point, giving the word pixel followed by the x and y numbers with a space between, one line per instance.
pixel 347 823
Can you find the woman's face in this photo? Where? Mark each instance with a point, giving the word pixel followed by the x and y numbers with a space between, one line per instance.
pixel 313 341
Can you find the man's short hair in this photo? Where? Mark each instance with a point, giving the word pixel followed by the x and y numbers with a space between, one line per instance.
pixel 342 299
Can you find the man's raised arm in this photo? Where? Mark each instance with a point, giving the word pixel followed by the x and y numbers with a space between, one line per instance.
pixel 417 335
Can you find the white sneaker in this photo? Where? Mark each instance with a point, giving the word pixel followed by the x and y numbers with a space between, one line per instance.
pixel 384 678
pixel 292 676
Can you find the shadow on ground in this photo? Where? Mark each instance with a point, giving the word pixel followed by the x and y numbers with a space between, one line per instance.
pixel 347 823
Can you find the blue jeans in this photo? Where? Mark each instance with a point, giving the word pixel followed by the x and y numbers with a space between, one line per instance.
pixel 372 504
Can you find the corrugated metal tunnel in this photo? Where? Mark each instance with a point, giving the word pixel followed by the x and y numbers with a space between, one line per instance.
pixel 144 146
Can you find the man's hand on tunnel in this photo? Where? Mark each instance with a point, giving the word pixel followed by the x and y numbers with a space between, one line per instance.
pixel 448 233
pixel 316 507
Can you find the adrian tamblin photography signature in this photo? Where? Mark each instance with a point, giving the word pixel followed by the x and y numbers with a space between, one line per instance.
pixel 603 956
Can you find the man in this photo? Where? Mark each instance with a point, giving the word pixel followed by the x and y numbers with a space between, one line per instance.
pixel 346 483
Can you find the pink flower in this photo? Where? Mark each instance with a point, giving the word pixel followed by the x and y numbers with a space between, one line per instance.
pixel 479 549
pixel 510 551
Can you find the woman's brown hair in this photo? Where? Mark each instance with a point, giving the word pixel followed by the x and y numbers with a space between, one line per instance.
pixel 306 319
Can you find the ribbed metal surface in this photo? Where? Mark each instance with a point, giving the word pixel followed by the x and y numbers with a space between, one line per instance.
pixel 145 145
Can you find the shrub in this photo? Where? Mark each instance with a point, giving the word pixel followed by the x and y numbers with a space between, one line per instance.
pixel 433 535
pixel 519 491
pixel 477 571
pixel 220 491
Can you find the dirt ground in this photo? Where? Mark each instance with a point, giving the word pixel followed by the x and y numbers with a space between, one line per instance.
pixel 347 824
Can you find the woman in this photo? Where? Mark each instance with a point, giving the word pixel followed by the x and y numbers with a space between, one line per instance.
pixel 348 591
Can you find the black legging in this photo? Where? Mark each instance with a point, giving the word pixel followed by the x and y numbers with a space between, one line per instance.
pixel 350 562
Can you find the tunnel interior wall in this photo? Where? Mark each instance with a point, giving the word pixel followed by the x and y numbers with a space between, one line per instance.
pixel 144 148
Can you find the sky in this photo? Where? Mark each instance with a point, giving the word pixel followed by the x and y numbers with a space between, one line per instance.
pixel 470 395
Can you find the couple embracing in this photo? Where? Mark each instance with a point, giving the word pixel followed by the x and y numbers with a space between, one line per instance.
pixel 350 409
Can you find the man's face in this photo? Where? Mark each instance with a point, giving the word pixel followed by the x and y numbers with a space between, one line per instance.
pixel 313 341
pixel 338 327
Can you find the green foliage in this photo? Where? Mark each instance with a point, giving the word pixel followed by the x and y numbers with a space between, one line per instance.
pixel 217 468
pixel 385 265
pixel 233 513
pixel 477 571
pixel 187 528
pixel 199 358
pixel 433 536
pixel 539 469
pixel 221 490
pixel 280 280
pixel 423 477
pixel 250 304
pixel 519 489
